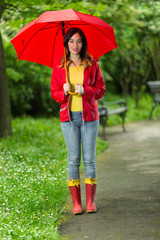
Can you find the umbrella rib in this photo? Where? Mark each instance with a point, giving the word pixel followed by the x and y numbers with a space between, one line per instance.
pixel 32 38
pixel 59 28
pixel 55 25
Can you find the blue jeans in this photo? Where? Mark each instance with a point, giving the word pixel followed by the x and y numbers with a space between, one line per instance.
pixel 79 133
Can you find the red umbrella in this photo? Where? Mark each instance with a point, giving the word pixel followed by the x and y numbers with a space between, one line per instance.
pixel 41 40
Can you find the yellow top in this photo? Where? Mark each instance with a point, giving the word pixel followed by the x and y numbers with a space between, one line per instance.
pixel 76 77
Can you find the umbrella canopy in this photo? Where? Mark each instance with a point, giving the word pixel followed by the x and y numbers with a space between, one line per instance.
pixel 41 40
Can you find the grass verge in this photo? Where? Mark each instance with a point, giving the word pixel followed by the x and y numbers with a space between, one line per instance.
pixel 33 172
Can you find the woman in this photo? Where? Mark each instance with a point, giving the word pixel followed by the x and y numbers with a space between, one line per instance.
pixel 79 114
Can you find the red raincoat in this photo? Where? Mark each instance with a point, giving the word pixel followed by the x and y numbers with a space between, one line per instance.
pixel 94 89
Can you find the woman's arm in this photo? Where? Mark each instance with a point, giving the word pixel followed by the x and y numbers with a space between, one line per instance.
pixel 57 91
pixel 92 93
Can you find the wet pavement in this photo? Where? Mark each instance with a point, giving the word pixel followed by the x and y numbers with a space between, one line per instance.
pixel 128 189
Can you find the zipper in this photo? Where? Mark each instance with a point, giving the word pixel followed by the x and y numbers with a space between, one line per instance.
pixel 69 99
pixel 68 108
pixel 82 103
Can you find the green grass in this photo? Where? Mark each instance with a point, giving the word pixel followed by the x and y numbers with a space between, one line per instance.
pixel 143 111
pixel 33 185
pixel 101 146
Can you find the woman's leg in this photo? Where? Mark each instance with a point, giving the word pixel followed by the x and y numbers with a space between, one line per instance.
pixel 89 138
pixel 89 133
pixel 71 132
pixel 71 135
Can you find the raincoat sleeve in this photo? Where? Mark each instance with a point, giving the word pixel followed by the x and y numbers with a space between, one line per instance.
pixel 95 92
pixel 57 92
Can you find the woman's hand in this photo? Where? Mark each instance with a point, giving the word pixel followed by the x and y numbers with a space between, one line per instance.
pixel 79 89
pixel 66 88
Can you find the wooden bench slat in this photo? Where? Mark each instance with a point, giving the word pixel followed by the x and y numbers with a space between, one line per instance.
pixel 116 111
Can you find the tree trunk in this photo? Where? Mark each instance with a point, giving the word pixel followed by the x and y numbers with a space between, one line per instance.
pixel 5 109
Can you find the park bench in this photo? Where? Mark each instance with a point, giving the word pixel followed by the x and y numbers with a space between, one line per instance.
pixel 107 109
pixel 155 91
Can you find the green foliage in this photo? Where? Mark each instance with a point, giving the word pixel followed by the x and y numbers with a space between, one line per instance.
pixel 137 30
pixel 29 86
pixel 127 69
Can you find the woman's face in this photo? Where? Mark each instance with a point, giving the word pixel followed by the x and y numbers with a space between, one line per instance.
pixel 75 44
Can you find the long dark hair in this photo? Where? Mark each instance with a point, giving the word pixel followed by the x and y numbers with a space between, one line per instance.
pixel 86 58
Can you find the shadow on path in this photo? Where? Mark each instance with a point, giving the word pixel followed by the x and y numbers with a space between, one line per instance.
pixel 128 190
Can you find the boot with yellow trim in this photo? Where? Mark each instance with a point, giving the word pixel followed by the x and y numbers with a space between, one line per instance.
pixel 90 184
pixel 75 191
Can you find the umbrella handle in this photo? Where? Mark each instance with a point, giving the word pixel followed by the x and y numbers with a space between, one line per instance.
pixel 67 80
pixel 72 93
pixel 65 66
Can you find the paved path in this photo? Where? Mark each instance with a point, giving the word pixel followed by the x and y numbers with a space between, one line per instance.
pixel 128 190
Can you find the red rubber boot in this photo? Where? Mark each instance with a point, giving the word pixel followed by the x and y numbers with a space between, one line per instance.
pixel 75 191
pixel 90 184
